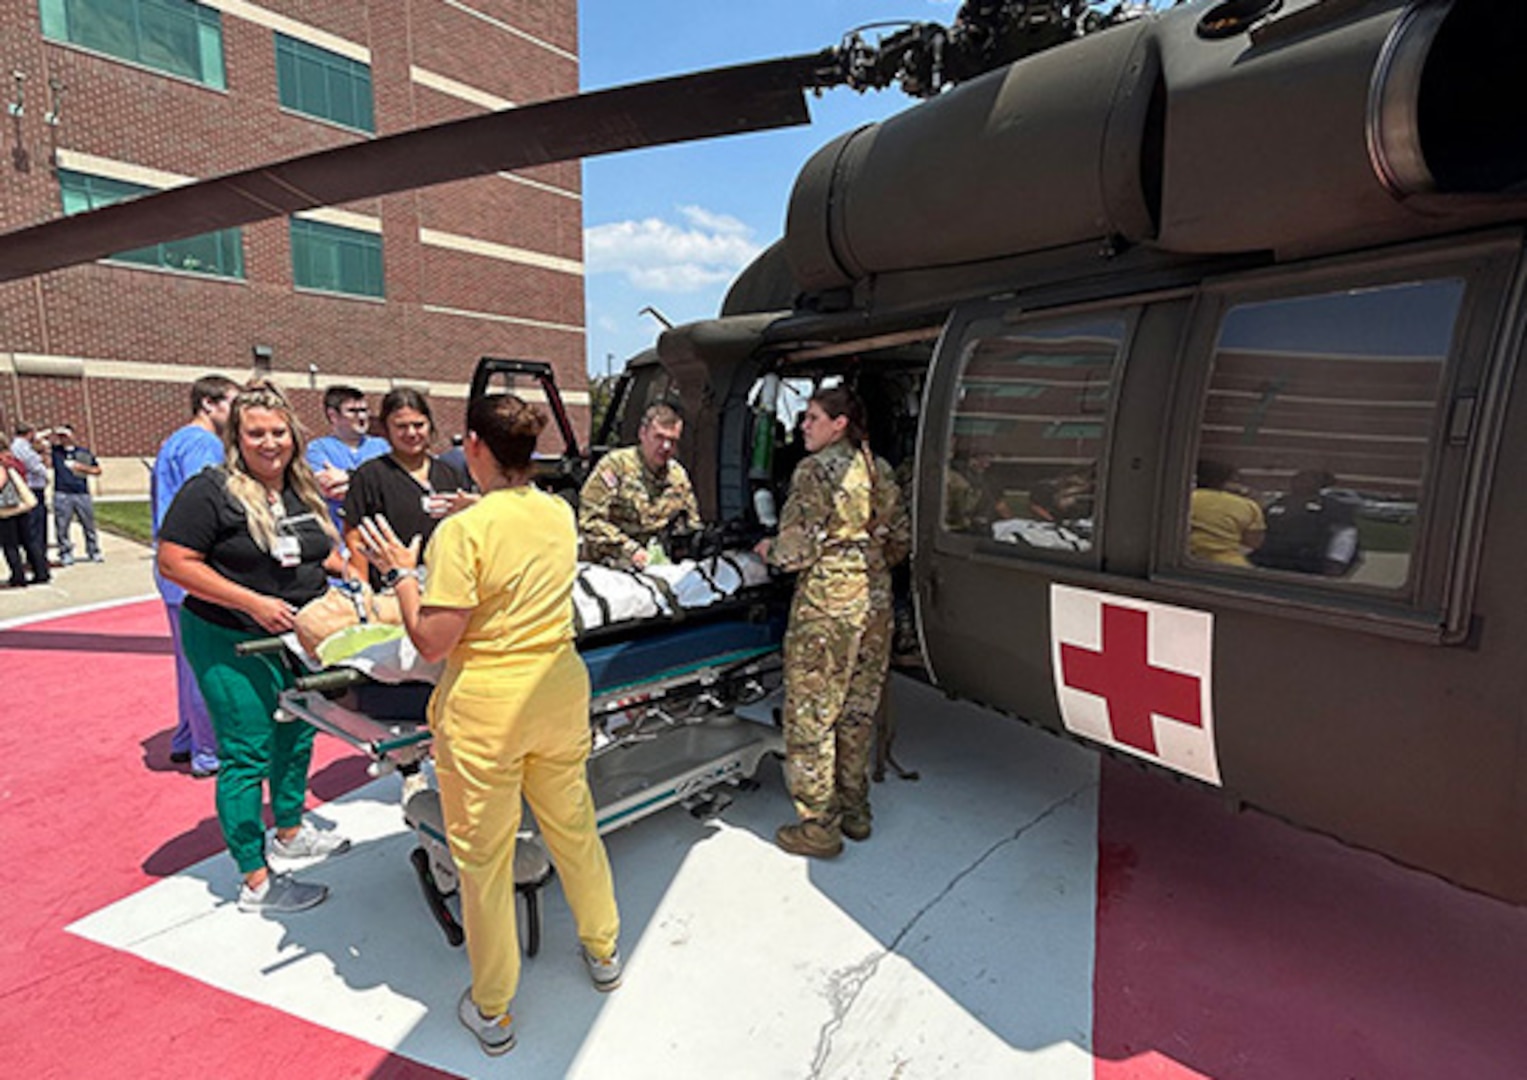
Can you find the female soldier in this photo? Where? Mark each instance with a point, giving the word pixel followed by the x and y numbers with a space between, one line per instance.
pixel 511 709
pixel 408 485
pixel 843 528
pixel 251 543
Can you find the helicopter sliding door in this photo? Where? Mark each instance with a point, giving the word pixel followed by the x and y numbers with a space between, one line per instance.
pixel 1016 485
pixel 1249 531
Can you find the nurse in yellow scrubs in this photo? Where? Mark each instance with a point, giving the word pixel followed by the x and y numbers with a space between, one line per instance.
pixel 510 714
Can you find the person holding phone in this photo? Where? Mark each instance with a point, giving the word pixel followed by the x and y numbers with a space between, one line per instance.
pixel 408 485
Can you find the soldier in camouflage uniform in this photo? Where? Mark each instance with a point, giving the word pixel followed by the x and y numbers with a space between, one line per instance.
pixel 843 527
pixel 636 492
pixel 970 504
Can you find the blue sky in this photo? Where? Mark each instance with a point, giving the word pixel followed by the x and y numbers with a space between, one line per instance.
pixel 671 227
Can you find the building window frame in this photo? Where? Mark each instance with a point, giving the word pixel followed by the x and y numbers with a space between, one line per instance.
pixel 218 254
pixel 141 33
pixel 320 83
pixel 337 260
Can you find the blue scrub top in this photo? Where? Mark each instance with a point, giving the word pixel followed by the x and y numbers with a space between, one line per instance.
pixel 184 454
pixel 328 450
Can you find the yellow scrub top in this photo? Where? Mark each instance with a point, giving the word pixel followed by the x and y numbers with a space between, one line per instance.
pixel 1219 520
pixel 511 559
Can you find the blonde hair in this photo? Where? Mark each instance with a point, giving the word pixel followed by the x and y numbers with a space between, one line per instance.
pixel 249 492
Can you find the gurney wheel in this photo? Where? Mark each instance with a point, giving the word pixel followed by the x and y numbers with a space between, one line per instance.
pixel 454 935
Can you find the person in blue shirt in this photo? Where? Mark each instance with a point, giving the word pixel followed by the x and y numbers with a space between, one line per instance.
pixel 73 465
pixel 333 457
pixel 185 453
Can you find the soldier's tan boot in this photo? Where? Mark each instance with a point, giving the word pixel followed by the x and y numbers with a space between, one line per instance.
pixel 809 838
pixel 856 826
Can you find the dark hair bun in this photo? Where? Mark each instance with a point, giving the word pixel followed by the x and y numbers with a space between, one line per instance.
pixel 528 421
pixel 509 427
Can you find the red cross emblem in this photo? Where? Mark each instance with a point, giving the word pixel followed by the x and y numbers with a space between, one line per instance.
pixel 1136 675
pixel 1122 675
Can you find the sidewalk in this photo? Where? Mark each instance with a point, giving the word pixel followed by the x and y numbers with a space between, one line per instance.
pixel 127 572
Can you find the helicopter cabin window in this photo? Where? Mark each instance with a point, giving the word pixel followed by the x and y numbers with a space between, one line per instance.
pixel 178 37
pixel 1027 432
pixel 332 258
pixel 219 254
pixel 321 83
pixel 1316 433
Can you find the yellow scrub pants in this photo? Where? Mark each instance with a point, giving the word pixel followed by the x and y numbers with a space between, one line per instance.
pixel 519 725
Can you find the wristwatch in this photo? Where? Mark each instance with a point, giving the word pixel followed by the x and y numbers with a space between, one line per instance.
pixel 393 576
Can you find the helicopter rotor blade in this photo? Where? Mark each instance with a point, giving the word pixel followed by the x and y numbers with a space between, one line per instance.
pixel 722 101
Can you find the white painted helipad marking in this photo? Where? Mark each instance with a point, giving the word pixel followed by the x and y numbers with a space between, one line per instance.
pixel 959 939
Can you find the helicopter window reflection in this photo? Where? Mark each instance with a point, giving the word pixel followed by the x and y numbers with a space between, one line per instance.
pixel 1027 432
pixel 1316 432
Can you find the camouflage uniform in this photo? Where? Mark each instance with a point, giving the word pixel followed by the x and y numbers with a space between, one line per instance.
pixel 624 504
pixel 842 533
pixel 968 502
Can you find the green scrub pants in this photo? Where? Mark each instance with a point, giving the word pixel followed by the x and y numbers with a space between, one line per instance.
pixel 241 698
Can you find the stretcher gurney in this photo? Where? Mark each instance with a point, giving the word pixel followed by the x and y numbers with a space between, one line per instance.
pixel 679 710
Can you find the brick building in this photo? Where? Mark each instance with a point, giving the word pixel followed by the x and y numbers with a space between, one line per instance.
pixel 121 96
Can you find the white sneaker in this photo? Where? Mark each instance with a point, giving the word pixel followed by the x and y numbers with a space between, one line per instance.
pixel 605 973
pixel 308 843
pixel 495 1034
pixel 281 894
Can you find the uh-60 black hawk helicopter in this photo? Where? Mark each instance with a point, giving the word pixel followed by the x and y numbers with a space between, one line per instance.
pixel 1195 333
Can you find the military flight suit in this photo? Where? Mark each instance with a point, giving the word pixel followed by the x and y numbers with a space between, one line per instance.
pixel 842 532
pixel 624 505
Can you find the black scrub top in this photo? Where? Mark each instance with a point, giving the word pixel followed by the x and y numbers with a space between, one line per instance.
pixel 207 519
pixel 382 486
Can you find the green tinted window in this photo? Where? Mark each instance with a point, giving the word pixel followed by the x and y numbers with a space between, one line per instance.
pixel 334 259
pixel 219 253
pixel 176 36
pixel 324 84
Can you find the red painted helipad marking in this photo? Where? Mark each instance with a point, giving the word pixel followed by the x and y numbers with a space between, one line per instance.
pixel 91 810
pixel 1122 674
pixel 1233 945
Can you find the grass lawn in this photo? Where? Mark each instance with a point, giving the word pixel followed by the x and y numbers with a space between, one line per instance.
pixel 131 519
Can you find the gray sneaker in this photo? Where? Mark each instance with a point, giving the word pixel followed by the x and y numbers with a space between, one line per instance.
pixel 495 1034
pixel 309 843
pixel 605 973
pixel 282 894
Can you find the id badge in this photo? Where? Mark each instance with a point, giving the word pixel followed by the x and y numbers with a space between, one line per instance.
pixel 288 551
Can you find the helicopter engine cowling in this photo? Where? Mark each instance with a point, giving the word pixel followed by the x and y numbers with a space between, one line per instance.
pixel 1038 154
pixel 1316 126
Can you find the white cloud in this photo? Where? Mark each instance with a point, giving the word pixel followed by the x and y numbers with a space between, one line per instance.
pixel 702 250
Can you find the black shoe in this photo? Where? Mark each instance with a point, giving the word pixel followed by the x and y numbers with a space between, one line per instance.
pixel 180 757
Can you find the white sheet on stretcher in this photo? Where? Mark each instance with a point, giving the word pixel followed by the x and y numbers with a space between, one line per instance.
pixel 628 595
pixel 606 597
